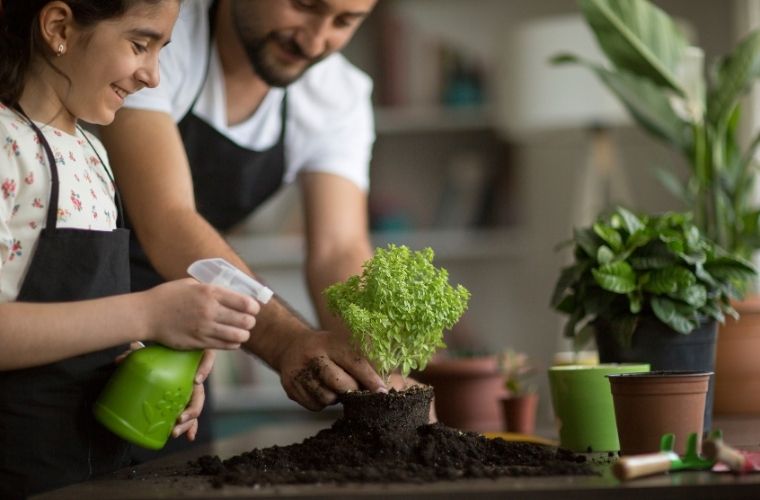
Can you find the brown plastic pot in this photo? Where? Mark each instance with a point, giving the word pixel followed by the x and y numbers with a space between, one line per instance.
pixel 649 405
pixel 467 392
pixel 737 372
pixel 520 413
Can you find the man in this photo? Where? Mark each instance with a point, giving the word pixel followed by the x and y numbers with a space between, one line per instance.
pixel 254 94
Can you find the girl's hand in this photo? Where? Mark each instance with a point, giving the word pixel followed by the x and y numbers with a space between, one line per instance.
pixel 133 346
pixel 187 422
pixel 185 314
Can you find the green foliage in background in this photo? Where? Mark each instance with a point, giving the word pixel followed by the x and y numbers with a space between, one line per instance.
pixel 398 308
pixel 662 82
pixel 627 266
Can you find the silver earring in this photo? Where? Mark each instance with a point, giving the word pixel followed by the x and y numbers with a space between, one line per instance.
pixel 61 48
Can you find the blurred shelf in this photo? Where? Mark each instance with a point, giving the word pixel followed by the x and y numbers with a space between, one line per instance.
pixel 398 120
pixel 450 245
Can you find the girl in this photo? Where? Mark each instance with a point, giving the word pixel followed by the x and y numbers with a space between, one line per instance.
pixel 64 311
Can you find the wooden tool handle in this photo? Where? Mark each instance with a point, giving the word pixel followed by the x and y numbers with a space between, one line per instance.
pixel 716 449
pixel 642 465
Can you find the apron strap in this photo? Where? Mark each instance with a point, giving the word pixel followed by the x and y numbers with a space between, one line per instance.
pixel 119 206
pixel 52 211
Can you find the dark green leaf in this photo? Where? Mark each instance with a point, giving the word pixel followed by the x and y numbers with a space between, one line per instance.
pixel 604 255
pixel 569 276
pixel 694 295
pixel 672 314
pixel 610 236
pixel 617 277
pixel 587 241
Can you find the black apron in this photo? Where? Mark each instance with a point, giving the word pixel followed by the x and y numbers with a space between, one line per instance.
pixel 229 182
pixel 48 435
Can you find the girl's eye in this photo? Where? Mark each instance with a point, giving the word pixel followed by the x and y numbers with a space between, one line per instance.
pixel 139 48
pixel 342 22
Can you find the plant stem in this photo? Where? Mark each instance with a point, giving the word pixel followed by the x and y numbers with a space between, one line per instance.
pixel 701 170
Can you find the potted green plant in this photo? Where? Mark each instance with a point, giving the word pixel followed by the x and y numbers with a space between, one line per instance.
pixel 649 289
pixel 662 82
pixel 520 404
pixel 396 311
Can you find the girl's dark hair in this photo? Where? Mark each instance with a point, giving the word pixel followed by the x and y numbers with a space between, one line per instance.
pixel 20 37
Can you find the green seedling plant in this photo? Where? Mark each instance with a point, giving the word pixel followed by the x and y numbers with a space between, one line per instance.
pixel 398 308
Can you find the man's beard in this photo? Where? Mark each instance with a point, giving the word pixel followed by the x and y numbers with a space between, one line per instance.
pixel 268 69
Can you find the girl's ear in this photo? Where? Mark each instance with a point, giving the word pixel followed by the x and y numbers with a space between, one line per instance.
pixel 56 26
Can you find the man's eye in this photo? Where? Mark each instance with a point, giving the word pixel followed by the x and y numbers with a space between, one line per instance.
pixel 139 48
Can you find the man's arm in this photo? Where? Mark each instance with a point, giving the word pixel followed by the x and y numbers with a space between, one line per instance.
pixel 153 175
pixel 337 236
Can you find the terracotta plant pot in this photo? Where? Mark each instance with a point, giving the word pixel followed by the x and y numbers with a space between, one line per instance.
pixel 520 413
pixel 737 372
pixel 649 405
pixel 467 392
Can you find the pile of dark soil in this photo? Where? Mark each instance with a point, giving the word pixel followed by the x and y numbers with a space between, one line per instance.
pixel 355 449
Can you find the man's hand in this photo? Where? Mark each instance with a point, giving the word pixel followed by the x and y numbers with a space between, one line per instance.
pixel 316 366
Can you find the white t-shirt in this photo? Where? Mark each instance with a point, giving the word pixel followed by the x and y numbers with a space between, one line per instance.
pixel 330 125
pixel 85 199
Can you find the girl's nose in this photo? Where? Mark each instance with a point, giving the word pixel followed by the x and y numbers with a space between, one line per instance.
pixel 148 74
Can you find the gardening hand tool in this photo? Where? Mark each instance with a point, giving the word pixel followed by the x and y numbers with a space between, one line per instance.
pixel 526 438
pixel 730 458
pixel 152 386
pixel 663 461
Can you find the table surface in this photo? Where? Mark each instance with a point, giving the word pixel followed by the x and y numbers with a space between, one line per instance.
pixel 149 482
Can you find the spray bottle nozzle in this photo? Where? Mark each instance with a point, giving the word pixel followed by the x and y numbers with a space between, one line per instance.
pixel 220 272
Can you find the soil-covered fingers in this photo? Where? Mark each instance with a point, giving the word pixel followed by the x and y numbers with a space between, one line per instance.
pixel 305 396
pixel 333 376
pixel 310 385
pixel 359 368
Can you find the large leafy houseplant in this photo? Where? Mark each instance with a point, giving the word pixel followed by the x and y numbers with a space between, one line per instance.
pixel 397 309
pixel 661 80
pixel 628 266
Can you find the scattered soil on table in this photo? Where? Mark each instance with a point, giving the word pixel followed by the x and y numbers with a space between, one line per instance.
pixel 361 448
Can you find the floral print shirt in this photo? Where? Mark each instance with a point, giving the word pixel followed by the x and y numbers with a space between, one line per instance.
pixel 86 198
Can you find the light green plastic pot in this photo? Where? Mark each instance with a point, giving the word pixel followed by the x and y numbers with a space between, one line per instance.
pixel 583 405
pixel 146 394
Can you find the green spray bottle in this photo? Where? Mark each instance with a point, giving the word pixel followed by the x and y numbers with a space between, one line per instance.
pixel 152 386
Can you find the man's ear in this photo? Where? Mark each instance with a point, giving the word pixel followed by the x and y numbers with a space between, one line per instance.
pixel 56 26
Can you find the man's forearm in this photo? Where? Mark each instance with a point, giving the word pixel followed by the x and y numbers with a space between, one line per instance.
pixel 192 238
pixel 329 269
pixel 276 327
